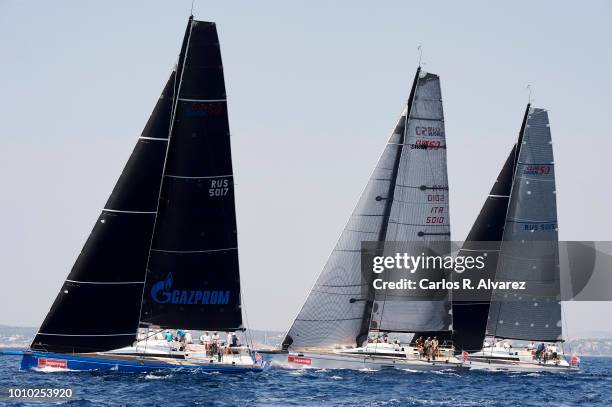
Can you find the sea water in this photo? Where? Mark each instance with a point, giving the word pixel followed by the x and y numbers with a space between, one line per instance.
pixel 592 386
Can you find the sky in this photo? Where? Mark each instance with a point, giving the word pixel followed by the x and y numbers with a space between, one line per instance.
pixel 314 90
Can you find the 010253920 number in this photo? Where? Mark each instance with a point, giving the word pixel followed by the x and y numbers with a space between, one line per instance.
pixel 36 393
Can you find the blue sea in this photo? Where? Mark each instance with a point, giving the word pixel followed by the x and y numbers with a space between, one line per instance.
pixel 592 386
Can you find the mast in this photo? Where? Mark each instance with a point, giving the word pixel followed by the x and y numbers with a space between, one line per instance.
pixel 485 237
pixel 419 216
pixel 369 301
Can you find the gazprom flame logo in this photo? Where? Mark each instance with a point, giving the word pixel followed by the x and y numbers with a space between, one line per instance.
pixel 162 293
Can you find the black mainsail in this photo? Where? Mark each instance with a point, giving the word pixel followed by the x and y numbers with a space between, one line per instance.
pixel 342 306
pixel 98 305
pixel 164 250
pixel 192 277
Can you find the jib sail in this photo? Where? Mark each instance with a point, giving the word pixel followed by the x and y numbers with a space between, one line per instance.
pixel 98 306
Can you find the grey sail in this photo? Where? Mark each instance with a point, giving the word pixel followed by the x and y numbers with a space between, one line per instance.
pixel 334 310
pixel 529 250
pixel 419 214
pixel 339 308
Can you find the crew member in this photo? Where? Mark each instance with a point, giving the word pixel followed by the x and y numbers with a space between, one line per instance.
pixel 206 341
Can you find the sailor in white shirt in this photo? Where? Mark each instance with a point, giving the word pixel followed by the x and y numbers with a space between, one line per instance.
pixel 206 341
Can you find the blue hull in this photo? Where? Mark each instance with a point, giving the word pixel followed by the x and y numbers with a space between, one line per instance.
pixel 59 362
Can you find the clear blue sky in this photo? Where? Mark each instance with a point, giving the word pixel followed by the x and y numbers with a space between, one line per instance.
pixel 314 89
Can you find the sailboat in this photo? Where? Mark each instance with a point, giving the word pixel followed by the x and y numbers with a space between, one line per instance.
pixel 517 229
pixel 163 253
pixel 344 320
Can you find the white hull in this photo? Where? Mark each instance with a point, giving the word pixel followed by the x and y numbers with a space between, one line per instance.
pixel 515 360
pixel 164 351
pixel 369 358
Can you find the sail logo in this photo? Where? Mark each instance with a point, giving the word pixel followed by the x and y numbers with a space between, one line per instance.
pixel 427 145
pixel 162 293
pixel 428 131
pixel 537 170
pixel 52 363
pixel 532 227
pixel 205 109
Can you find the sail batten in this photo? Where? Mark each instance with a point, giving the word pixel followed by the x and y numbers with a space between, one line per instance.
pixel 334 311
pixel 101 295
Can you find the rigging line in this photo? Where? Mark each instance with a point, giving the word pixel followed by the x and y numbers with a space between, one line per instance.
pixel 392 192
pixel 564 322
pixel 175 94
pixel 517 153
pixel 247 334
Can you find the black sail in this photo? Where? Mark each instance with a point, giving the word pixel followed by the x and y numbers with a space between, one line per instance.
pixel 98 306
pixel 192 277
pixel 484 239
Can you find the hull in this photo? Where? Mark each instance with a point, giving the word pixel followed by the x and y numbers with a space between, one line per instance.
pixel 516 360
pixel 52 362
pixel 312 360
